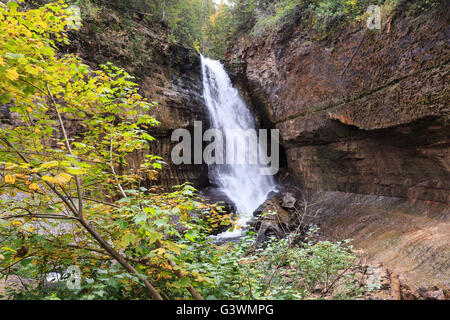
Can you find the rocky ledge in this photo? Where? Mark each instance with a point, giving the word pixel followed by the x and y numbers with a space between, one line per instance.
pixel 363 119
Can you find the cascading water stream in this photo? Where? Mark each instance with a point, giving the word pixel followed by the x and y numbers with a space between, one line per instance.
pixel 242 183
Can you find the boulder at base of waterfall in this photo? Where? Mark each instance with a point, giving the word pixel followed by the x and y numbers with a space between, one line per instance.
pixel 214 195
pixel 272 220
pixel 436 294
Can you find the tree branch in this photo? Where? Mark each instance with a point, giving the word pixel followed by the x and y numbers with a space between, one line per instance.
pixel 112 168
pixel 68 204
pixel 69 149
pixel 116 255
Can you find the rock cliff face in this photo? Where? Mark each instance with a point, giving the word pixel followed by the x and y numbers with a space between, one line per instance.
pixel 372 130
pixel 180 103
pixel 167 73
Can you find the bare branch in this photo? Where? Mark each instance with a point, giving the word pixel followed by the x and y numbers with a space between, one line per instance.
pixel 69 149
pixel 113 170
pixel 68 204
pixel 41 216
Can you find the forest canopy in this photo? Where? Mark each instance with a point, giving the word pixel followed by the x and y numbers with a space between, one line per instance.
pixel 211 26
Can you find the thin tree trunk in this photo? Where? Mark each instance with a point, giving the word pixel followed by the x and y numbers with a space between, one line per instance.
pixel 151 290
pixel 79 214
pixel 105 245
pixel 164 12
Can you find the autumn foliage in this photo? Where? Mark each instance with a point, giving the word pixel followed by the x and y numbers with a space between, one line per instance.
pixel 67 193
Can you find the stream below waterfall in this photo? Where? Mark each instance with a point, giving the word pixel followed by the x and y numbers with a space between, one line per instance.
pixel 242 183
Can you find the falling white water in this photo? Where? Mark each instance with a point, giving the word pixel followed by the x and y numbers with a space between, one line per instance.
pixel 243 184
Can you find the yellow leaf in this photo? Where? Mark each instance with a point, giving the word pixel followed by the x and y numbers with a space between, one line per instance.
pixel 10 166
pixel 62 178
pixel 10 179
pixel 12 74
pixel 76 171
pixel 5 248
pixel 2 62
pixel 34 186
pixel 159 251
pixel 47 165
pixel 17 223
pixel 173 247
pixel 31 70
pixel 48 179
pixel 27 32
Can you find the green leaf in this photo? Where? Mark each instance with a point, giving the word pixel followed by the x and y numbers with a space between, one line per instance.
pixel 121 224
pixel 76 170
pixel 140 218
pixel 181 283
pixel 154 236
pixel 128 239
pixel 190 235
pixel 160 223
pixel 13 5
pixel 49 210
pixel 10 55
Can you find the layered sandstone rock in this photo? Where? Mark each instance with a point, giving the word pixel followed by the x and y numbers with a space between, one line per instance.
pixel 379 128
pixel 167 73
pixel 370 138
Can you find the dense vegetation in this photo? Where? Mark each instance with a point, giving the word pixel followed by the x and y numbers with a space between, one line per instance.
pixel 211 26
pixel 255 18
pixel 69 197
pixel 183 19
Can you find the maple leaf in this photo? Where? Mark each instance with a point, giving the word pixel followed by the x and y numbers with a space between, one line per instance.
pixel 12 74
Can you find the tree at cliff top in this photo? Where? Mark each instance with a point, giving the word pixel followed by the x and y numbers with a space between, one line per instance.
pixel 186 20
pixel 230 19
pixel 68 196
pixel 255 18
pixel 215 33
pixel 183 19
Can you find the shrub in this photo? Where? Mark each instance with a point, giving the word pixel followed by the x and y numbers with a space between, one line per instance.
pixel 69 197
pixel 277 270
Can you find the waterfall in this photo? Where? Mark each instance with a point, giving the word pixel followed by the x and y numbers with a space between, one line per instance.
pixel 242 183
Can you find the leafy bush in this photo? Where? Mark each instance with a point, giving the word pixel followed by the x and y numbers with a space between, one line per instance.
pixel 68 195
pixel 277 270
pixel 280 13
pixel 320 15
